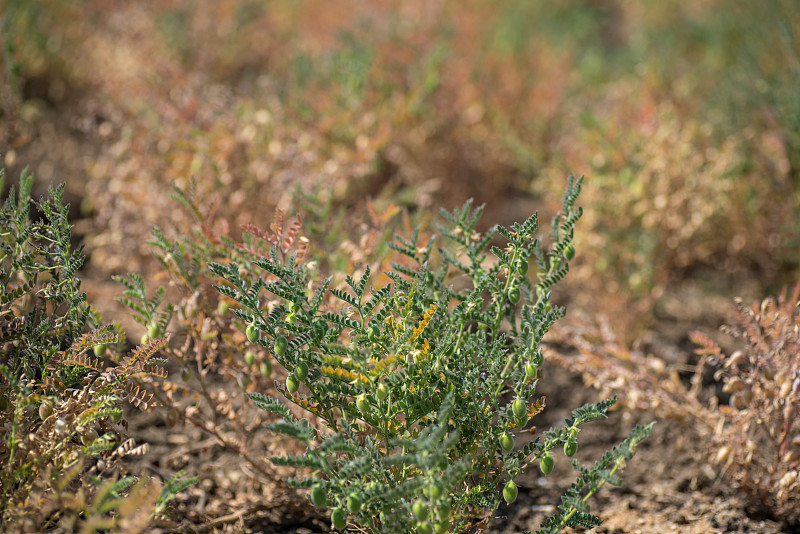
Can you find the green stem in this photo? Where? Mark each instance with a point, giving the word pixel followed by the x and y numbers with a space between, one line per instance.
pixel 509 278
pixel 496 329
pixel 592 490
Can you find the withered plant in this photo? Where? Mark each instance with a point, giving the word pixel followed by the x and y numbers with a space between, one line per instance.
pixel 61 419
pixel 209 352
pixel 750 422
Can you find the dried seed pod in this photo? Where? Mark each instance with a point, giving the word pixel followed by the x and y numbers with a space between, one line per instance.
pixel 732 385
pixel 791 457
pixel 769 372
pixel 788 479
pixel 736 359
pixel 60 426
pixel 747 396
pixel 722 454
pixel 657 365
pixel 45 409
pixel 88 437
pixel 786 388
pixel 172 417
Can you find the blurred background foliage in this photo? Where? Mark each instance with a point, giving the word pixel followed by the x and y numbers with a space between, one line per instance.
pixel 684 117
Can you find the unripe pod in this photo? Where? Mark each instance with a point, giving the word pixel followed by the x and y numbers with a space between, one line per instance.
pixel 252 333
pixel 420 509
pixel 435 491
pixel 154 330
pixel 354 504
pixel 222 308
pixel 292 384
pixel 301 371
pixel 546 463
pixel 383 391
pixel 510 492
pixel 99 350
pixel 569 252
pixel 423 527
pixel 444 510
pixel 441 526
pixel 280 345
pixel 570 447
pixel 362 403
pixel 339 518
pixel 518 408
pixel 319 496
pixel 523 267
pixel 249 358
pixel 506 442
pixel 520 412
pixel 373 333
pixel 530 370
pixel 265 368
pixel 514 295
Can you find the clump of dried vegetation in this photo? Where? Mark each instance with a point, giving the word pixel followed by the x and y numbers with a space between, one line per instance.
pixel 62 430
pixel 749 417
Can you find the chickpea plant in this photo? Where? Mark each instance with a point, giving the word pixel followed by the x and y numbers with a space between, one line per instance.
pixel 415 390
pixel 63 382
